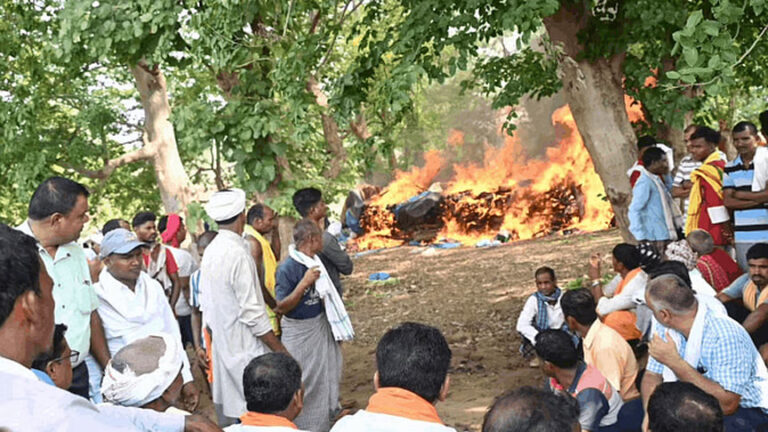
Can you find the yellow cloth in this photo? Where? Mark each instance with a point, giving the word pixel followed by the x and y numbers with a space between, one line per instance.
pixel 705 173
pixel 750 294
pixel 270 269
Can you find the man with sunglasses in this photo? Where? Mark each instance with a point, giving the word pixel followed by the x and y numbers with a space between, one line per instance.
pixel 133 305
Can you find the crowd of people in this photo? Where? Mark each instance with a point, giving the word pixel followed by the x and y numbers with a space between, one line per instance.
pixel 681 330
pixel 96 338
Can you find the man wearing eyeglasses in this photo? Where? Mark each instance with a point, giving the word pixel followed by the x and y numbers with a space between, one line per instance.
pixel 55 366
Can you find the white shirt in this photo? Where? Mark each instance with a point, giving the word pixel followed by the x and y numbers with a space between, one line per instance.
pixel 130 315
pixel 632 295
pixel 375 422
pixel 26 404
pixel 187 266
pixel 234 309
pixel 528 317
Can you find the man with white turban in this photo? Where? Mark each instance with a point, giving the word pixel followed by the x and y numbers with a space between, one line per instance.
pixel 147 374
pixel 234 305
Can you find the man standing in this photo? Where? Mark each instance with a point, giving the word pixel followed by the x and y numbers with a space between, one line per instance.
pixel 57 212
pixel 681 184
pixel 304 293
pixel 750 215
pixel 173 233
pixel 132 304
pixel 262 220
pixel 706 210
pixel 233 305
pixel 695 343
pixel 652 203
pixel 158 262
pixel 309 203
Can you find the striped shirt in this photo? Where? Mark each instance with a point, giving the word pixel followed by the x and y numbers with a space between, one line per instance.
pixel 749 225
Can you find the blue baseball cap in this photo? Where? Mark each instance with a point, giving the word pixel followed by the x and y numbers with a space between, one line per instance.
pixel 119 241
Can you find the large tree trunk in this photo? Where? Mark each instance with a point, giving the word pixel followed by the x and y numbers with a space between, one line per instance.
pixel 172 178
pixel 594 91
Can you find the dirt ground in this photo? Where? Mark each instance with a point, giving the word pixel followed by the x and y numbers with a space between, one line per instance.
pixel 472 295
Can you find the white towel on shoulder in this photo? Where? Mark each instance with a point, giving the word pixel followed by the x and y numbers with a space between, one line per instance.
pixel 335 311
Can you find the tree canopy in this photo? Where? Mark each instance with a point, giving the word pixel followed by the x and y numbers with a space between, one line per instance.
pixel 272 96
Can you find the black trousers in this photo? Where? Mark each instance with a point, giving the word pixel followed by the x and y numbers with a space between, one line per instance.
pixel 185 328
pixel 80 380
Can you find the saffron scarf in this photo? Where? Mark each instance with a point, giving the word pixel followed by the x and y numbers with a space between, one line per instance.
pixel 751 298
pixel 258 419
pixel 399 402
pixel 624 321
pixel 708 173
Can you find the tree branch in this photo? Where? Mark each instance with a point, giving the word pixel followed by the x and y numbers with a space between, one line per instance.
pixel 144 153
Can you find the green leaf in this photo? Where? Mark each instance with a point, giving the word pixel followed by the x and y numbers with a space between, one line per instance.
pixel 691 56
pixel 674 75
pixel 694 18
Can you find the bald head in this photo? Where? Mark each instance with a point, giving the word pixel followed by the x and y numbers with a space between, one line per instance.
pixel 529 409
pixel 141 356
pixel 701 242
pixel 669 292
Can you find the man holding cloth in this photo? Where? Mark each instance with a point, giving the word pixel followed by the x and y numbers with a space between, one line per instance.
pixel 234 305
pixel 706 209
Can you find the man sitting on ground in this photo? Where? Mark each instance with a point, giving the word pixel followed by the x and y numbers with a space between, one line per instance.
pixel 55 366
pixel 749 304
pixel 412 363
pixel 683 407
pixel 541 311
pixel 273 392
pixel 618 300
pixel 146 374
pixel 714 264
pixel 529 409
pixel 696 344
pixel 599 402
pixel 132 305
pixel 604 348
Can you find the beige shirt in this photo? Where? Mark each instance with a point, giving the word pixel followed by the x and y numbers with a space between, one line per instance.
pixel 606 350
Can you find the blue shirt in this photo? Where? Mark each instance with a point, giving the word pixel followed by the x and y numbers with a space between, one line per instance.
pixel 289 274
pixel 749 225
pixel 646 211
pixel 728 357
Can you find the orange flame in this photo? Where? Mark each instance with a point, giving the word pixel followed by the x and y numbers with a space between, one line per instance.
pixel 521 195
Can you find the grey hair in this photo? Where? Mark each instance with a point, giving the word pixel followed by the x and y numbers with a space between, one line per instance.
pixel 142 356
pixel 670 292
pixel 304 230
pixel 701 242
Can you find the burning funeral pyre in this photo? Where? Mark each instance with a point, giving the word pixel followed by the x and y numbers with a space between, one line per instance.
pixel 509 192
